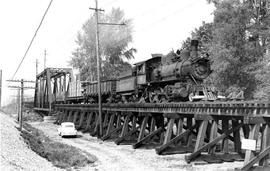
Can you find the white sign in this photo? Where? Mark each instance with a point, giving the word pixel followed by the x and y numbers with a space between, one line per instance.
pixel 248 144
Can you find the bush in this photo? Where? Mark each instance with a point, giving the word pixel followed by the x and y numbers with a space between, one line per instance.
pixel 61 155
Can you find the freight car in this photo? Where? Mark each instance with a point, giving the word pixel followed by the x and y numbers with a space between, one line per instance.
pixel 108 89
pixel 170 78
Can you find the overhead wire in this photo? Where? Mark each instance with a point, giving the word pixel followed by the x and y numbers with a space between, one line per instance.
pixel 167 16
pixel 29 46
pixel 109 3
pixel 153 8
pixel 159 20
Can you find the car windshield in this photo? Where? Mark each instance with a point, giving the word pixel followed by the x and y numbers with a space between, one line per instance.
pixel 68 126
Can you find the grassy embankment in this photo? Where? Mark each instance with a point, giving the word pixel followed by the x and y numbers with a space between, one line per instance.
pixel 61 155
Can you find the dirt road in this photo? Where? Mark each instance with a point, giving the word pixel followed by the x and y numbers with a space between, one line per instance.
pixel 123 157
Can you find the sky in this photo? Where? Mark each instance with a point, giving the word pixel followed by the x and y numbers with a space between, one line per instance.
pixel 159 27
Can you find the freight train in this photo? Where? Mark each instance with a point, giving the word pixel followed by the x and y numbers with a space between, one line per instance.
pixel 177 76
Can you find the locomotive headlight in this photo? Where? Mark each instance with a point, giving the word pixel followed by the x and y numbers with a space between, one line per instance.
pixel 201 70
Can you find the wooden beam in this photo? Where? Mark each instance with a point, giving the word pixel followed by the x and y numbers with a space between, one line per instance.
pixel 189 136
pixel 254 160
pixel 160 149
pixel 180 125
pixel 190 157
pixel 229 137
pixel 58 119
pixel 130 133
pixel 75 117
pixel 265 142
pixel 97 123
pixel 153 133
pixel 169 130
pixel 254 133
pixel 125 126
pixel 134 120
pixel 236 136
pixel 153 124
pixel 105 122
pixel 82 116
pixel 246 130
pixel 213 135
pixel 143 126
pixel 171 115
pixel 110 134
pixel 69 116
pixel 201 134
pixel 110 126
pixel 88 121
pixel 118 121
pixel 65 116
pixel 225 142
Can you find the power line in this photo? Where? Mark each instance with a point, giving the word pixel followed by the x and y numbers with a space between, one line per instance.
pixel 109 3
pixel 167 16
pixel 152 8
pixel 32 39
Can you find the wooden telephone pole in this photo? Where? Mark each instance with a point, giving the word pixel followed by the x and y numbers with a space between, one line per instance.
pixel 37 66
pixel 45 59
pixel 96 9
pixel 0 89
pixel 20 97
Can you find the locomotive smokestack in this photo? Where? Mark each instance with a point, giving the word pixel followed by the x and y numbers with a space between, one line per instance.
pixel 194 49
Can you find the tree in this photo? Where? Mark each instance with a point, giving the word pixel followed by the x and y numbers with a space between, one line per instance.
pixel 263 77
pixel 204 35
pixel 240 37
pixel 114 47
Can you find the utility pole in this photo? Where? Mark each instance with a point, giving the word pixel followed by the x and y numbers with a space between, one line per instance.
pixel 18 105
pixel 98 72
pixel 0 88
pixel 21 114
pixel 20 98
pixel 45 55
pixel 96 9
pixel 36 66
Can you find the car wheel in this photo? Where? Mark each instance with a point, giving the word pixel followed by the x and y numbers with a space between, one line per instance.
pixel 190 97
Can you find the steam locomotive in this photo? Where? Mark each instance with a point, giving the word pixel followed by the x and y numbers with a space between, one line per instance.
pixel 170 78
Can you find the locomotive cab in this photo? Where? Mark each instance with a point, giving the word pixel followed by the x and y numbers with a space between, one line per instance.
pixel 146 69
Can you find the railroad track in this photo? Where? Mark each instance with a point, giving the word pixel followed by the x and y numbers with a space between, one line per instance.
pixel 207 129
pixel 250 108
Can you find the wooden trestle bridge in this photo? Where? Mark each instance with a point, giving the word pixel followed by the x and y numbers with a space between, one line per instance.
pixel 209 131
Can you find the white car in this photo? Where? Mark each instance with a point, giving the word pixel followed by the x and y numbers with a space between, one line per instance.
pixel 67 129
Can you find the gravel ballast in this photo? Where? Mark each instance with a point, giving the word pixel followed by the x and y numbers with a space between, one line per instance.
pixel 15 153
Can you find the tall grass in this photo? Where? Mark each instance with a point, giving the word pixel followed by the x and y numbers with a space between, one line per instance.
pixel 61 155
